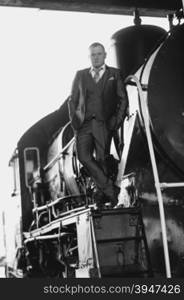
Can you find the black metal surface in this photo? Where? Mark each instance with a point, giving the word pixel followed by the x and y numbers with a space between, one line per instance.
pixel 166 96
pixel 40 135
pixel 166 106
pixel 121 243
pixel 175 237
pixel 147 8
pixel 45 130
pixel 133 44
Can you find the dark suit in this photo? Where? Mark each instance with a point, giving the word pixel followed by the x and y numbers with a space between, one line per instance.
pixel 96 110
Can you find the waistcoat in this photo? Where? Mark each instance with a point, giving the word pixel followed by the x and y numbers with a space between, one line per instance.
pixel 94 98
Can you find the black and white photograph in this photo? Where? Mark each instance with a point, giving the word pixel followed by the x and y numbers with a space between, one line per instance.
pixel 92 145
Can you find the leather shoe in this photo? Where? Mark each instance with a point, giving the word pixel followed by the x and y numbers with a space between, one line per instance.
pixel 114 197
pixel 99 199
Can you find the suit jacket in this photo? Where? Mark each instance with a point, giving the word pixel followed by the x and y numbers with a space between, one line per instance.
pixel 114 97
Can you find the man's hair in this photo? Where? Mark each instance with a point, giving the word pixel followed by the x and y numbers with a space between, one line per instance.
pixel 97 44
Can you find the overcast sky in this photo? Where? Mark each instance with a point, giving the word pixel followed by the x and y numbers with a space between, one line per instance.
pixel 40 52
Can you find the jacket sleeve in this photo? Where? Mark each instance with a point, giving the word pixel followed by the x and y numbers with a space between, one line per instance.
pixel 74 96
pixel 121 109
pixel 123 99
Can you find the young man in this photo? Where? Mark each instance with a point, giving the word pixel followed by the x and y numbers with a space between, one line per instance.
pixel 97 106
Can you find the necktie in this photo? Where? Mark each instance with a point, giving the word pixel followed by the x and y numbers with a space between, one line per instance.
pixel 97 75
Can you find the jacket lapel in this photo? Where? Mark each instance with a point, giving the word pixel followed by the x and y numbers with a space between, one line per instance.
pixel 105 78
pixel 83 85
pixel 82 95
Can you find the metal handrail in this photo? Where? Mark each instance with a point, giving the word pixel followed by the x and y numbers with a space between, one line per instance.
pixel 146 119
pixel 40 208
pixel 46 237
pixel 58 156
pixel 166 185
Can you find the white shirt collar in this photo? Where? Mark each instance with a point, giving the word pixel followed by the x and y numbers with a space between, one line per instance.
pixel 102 69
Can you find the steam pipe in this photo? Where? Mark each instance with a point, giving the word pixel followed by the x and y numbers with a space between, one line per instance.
pixel 46 206
pixel 46 237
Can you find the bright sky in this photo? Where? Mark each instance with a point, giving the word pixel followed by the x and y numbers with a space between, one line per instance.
pixel 39 54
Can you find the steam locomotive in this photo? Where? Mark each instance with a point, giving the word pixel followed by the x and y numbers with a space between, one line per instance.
pixel 60 232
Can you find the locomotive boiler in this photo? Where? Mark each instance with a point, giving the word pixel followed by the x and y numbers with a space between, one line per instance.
pixel 62 234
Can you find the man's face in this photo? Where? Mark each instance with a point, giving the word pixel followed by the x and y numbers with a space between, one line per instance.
pixel 97 56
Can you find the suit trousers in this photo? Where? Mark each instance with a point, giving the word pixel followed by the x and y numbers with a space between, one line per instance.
pixel 94 138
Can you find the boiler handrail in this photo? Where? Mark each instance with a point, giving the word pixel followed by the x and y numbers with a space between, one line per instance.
pixel 146 119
